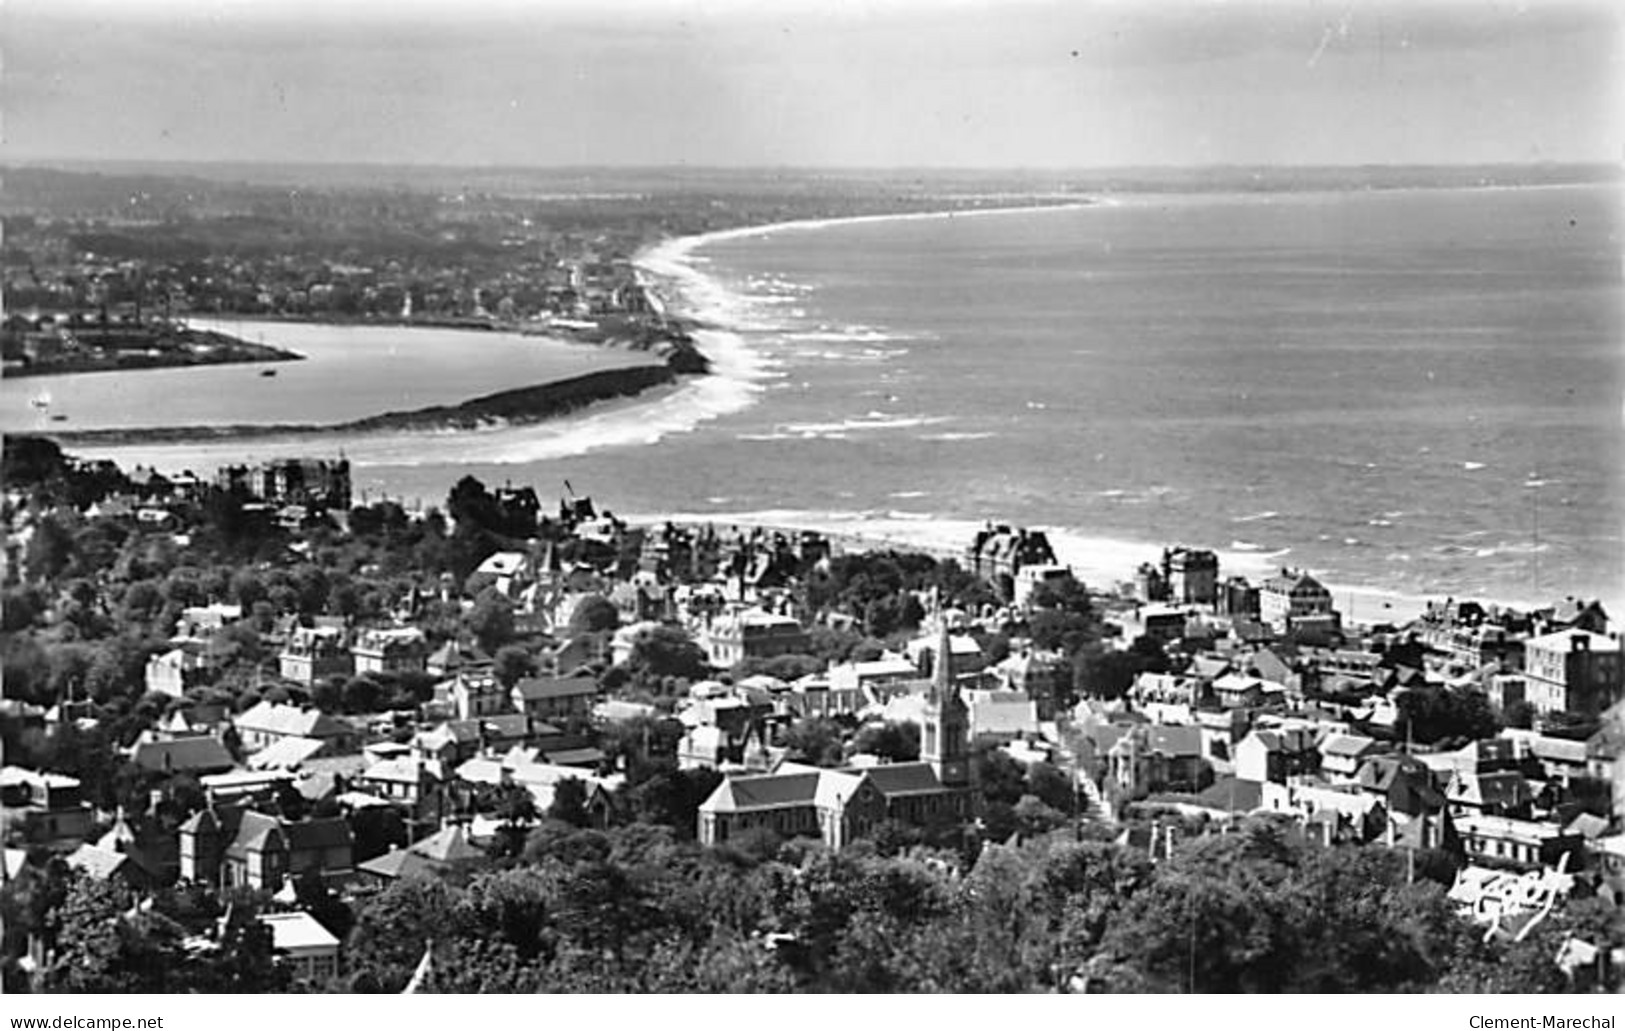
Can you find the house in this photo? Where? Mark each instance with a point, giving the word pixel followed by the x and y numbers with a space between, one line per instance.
pixel 1001 715
pixel 268 722
pixel 1165 689
pixel 395 650
pixel 474 695
pixel 1191 575
pixel 509 571
pixel 1030 577
pixel 852 685
pixel 104 864
pixel 446 848
pixel 407 779
pixel 1293 597
pixel 290 753
pixel 452 658
pixel 1148 759
pixel 1576 613
pixel 313 654
pixel 1573 671
pixel 712 746
pixel 202 622
pixel 235 846
pixel 1276 755
pixel 966 660
pixel 1416 809
pixel 1502 793
pixel 751 634
pixel 303 945
pixel 1341 755
pixel 555 698
pixel 1042 676
pixel 1238 691
pixel 153 854
pixel 197 755
pixel 172 672
pixel 1226 799
pixel 40 808
pixel 1506 842
pixel 238 785
pixel 997 553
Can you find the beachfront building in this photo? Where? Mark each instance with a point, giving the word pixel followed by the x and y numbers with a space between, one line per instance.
pixel 1573 671
pixel 1291 598
pixel 1191 575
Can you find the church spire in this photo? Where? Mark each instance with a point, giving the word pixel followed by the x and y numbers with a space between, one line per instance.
pixel 945 737
pixel 942 674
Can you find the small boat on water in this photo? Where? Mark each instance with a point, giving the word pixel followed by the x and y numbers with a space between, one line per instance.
pixel 267 372
pixel 59 418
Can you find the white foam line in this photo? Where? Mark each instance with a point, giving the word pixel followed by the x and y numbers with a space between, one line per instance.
pixel 677 249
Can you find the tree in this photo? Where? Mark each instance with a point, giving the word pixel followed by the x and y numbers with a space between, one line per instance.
pixel 103 943
pixel 361 695
pixel 894 742
pixel 512 664
pixel 666 651
pixel 594 615
pixel 569 802
pixel 491 620
pixel 50 549
pixel 1430 714
pixel 815 740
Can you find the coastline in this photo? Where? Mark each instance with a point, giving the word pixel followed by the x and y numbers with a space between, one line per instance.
pixel 1099 561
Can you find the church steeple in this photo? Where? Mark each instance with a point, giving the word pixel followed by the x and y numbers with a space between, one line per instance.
pixel 945 738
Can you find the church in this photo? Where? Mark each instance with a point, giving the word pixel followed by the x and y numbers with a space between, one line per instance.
pixel 842 805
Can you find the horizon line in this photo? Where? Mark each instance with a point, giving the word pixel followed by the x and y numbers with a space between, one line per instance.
pixel 1616 166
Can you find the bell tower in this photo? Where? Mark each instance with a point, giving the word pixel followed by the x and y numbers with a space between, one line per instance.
pixel 945 738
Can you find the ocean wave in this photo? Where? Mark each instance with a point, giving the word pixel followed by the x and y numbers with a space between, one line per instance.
pixel 1511 548
pixel 849 335
pixel 871 421
pixel 952 435
pixel 1256 517
pixel 908 494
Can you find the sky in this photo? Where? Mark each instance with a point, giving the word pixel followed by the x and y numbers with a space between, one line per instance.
pixel 838 83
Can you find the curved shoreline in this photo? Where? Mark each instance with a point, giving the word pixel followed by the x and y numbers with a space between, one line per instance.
pixel 669 260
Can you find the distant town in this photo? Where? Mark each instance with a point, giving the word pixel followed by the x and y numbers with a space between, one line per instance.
pixel 102 271
pixel 260 737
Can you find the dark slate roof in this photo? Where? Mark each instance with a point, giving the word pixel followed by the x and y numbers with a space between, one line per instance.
pixel 331 832
pixel 398 863
pixel 183 755
pixel 576 757
pixel 904 779
pixel 450 845
pixel 1233 795
pixel 766 791
pixel 536 688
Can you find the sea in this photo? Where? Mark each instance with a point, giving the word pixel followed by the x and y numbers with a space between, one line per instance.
pixel 1410 394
